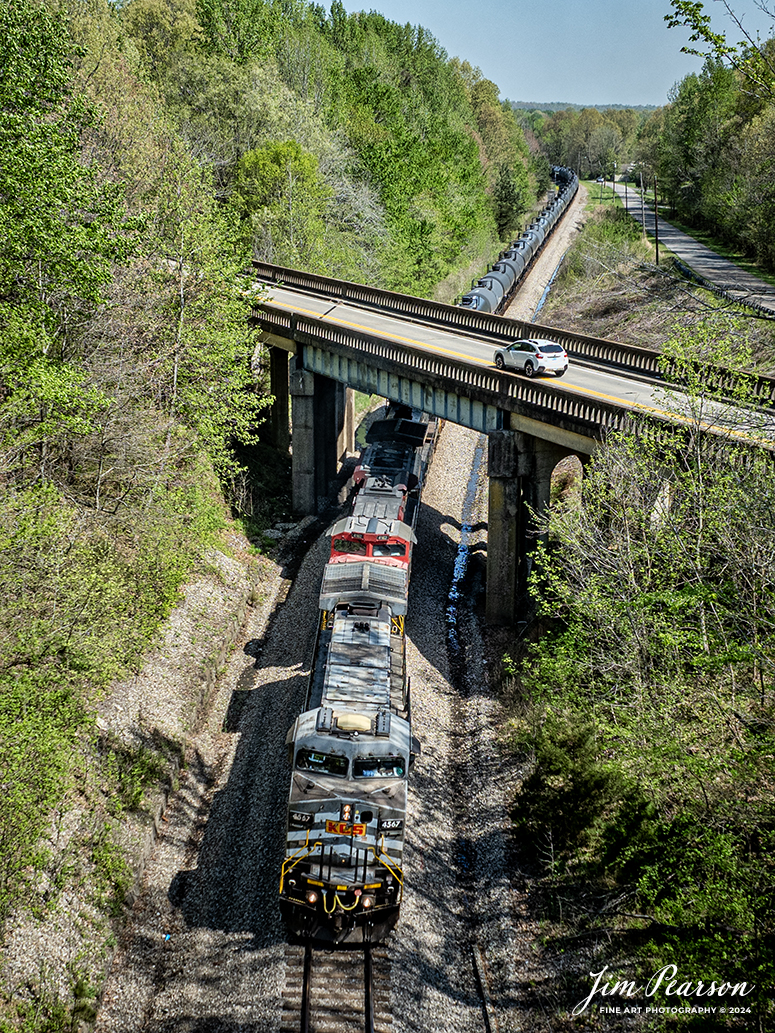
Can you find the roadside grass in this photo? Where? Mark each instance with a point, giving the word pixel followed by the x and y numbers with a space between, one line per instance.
pixel 734 255
pixel 600 194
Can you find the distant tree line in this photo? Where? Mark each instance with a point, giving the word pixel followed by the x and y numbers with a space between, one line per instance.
pixel 711 147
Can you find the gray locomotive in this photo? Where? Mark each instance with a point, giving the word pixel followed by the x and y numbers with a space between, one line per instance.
pixel 352 748
pixel 490 292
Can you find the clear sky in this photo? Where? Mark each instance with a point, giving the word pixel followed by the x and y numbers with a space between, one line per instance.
pixel 579 51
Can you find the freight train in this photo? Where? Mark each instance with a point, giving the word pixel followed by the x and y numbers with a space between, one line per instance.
pixel 352 748
pixel 490 292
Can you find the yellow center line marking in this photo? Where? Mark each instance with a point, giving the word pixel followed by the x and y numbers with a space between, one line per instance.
pixel 338 321
pixel 587 392
pixel 459 355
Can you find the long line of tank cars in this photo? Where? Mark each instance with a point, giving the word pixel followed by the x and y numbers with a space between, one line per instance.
pixel 352 748
pixel 494 288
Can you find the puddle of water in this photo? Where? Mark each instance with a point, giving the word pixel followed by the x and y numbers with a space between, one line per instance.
pixel 548 287
pixel 455 648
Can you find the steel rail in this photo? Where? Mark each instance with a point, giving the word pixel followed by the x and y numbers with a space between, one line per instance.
pixel 305 988
pixel 305 1023
pixel 368 1001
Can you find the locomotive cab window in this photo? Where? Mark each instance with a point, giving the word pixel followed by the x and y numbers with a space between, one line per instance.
pixel 346 545
pixel 379 767
pixel 323 763
pixel 388 549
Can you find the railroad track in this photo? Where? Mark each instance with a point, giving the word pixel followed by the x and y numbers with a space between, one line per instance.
pixel 336 991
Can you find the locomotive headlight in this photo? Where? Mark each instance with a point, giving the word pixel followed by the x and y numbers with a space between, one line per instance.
pixel 312 897
pixel 366 902
pixel 347 812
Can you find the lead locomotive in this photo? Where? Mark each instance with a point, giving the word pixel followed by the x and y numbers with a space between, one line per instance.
pixel 352 748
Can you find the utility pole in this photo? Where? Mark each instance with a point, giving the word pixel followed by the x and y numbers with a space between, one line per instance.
pixel 642 205
pixel 656 216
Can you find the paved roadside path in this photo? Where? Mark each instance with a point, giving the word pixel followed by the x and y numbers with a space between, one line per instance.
pixel 740 285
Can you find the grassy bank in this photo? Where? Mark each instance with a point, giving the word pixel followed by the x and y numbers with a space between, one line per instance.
pixel 642 695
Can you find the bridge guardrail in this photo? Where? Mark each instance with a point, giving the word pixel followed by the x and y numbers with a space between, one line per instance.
pixel 500 329
pixel 625 358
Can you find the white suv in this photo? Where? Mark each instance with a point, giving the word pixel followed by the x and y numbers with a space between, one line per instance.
pixel 533 357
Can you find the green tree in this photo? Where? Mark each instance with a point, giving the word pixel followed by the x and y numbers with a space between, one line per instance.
pixel 658 628
pixel 510 201
pixel 278 193
pixel 59 231
pixel 757 230
pixel 160 28
pixel 749 56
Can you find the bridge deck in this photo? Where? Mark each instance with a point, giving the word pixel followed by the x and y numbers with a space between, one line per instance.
pixel 458 354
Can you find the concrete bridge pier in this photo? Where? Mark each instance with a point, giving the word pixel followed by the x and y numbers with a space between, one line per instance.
pixel 280 412
pixel 520 468
pixel 323 423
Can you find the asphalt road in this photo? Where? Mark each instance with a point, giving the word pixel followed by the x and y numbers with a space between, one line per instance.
pixel 729 277
pixel 583 380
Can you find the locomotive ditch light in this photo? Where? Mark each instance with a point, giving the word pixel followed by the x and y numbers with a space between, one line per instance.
pixel 312 897
pixel 366 903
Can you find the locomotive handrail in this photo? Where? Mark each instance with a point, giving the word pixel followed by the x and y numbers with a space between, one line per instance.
pixel 298 856
pixel 393 868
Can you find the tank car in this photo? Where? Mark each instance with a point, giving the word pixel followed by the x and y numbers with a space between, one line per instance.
pixel 478 300
pixel 482 297
pixel 517 261
pixel 503 274
pixel 494 284
pixel 522 247
pixel 352 748
pixel 485 296
pixel 538 230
